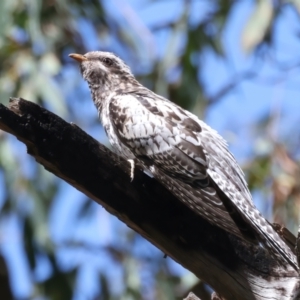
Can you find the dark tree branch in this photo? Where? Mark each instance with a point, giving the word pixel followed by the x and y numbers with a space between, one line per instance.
pixel 226 89
pixel 236 269
pixel 5 289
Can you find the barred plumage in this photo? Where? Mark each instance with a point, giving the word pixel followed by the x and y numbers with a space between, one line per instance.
pixel 193 158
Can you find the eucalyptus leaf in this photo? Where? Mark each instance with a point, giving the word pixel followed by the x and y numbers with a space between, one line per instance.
pixel 257 25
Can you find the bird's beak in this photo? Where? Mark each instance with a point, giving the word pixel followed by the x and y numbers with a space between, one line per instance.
pixel 78 57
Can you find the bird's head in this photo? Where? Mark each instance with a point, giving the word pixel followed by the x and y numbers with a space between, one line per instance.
pixel 103 69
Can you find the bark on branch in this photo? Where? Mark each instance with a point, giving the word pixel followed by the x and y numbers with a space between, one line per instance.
pixel 236 269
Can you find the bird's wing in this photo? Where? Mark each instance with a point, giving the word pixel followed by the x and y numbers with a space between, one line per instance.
pixel 159 128
pixel 165 137
pixel 205 174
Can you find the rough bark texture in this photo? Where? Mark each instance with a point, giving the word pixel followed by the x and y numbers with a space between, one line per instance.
pixel 235 268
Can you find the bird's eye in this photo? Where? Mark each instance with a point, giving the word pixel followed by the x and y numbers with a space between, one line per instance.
pixel 109 62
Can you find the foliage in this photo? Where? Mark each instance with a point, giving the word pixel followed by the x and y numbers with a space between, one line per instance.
pixel 169 56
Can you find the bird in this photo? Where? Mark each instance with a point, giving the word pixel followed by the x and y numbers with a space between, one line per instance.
pixel 177 148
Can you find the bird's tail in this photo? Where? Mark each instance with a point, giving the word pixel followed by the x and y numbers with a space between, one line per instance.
pixel 270 238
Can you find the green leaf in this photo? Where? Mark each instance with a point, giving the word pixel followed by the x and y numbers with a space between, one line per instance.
pixel 258 25
pixel 296 3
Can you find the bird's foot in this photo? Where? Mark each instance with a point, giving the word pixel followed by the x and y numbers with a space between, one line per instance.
pixel 131 161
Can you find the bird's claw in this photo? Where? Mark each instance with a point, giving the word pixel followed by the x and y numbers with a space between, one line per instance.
pixel 131 161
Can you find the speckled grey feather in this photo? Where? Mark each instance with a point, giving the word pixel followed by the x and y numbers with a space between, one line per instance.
pixel 195 161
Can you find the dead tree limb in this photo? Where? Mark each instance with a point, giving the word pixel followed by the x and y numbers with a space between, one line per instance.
pixel 235 269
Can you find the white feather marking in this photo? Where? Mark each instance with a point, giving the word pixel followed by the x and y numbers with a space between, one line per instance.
pixel 192 140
